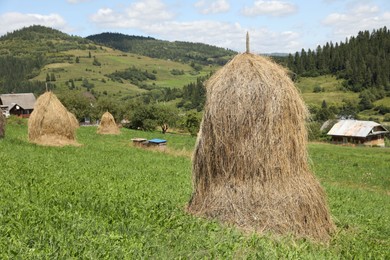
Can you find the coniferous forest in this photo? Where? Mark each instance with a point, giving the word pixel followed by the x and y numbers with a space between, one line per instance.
pixel 363 61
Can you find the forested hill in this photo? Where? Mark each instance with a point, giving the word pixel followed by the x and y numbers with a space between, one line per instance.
pixel 24 52
pixel 39 39
pixel 178 51
pixel 362 60
pixel 36 32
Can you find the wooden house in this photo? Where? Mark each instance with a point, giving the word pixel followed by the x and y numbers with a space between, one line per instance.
pixel 358 132
pixel 20 104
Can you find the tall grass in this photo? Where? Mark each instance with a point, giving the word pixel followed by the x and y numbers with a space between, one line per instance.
pixel 110 200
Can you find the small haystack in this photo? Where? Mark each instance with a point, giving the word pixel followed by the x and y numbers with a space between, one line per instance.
pixel 250 164
pixel 74 120
pixel 107 125
pixel 2 124
pixel 50 124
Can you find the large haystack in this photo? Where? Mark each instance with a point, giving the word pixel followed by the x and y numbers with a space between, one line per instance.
pixel 2 124
pixel 250 164
pixel 107 125
pixel 50 124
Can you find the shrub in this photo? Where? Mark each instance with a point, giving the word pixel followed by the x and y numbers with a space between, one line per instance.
pixel 317 89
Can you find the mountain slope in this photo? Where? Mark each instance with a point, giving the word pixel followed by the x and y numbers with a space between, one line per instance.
pixel 24 52
pixel 37 56
pixel 179 51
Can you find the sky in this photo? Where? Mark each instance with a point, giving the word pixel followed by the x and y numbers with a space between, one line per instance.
pixel 274 26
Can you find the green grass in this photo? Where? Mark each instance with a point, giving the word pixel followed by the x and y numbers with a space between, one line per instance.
pixel 331 93
pixel 328 83
pixel 110 200
pixel 384 101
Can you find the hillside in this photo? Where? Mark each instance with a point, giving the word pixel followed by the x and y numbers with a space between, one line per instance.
pixel 102 66
pixel 360 64
pixel 37 55
pixel 24 52
pixel 129 71
pixel 203 54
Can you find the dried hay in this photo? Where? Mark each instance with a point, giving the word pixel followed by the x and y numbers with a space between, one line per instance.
pixel 49 124
pixel 74 120
pixel 2 124
pixel 107 125
pixel 250 164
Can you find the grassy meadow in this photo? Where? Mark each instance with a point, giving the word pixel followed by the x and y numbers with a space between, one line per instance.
pixel 110 200
pixel 331 92
pixel 113 60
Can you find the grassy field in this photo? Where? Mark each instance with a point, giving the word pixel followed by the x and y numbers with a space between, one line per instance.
pixel 110 200
pixel 331 90
pixel 114 60
pixel 384 102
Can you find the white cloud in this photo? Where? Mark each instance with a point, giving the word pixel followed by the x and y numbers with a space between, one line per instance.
pixel 76 1
pixel 137 15
pixel 212 7
pixel 227 35
pixel 358 18
pixel 14 20
pixel 269 7
pixel 152 10
pixel 155 20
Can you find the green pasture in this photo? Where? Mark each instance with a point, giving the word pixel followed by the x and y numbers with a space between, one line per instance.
pixel 384 102
pixel 331 98
pixel 114 60
pixel 331 92
pixel 327 82
pixel 109 200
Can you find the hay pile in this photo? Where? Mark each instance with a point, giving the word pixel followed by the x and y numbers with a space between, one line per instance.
pixel 107 125
pixel 50 124
pixel 2 124
pixel 250 164
pixel 74 120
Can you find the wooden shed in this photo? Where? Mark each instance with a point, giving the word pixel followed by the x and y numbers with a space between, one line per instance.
pixel 20 104
pixel 358 132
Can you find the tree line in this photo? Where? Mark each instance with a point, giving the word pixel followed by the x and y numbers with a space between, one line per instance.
pixel 362 60
pixel 187 52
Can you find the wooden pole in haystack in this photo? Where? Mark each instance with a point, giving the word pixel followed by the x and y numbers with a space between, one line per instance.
pixel 2 124
pixel 250 164
pixel 247 42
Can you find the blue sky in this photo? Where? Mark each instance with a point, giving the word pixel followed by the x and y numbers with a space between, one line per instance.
pixel 273 25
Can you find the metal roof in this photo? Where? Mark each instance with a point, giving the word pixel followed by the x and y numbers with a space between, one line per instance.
pixel 356 128
pixel 157 141
pixel 24 100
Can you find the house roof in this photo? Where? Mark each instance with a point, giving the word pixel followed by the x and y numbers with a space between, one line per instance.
pixel 357 128
pixel 24 100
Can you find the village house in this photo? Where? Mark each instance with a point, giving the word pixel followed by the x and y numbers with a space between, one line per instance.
pixel 20 104
pixel 358 132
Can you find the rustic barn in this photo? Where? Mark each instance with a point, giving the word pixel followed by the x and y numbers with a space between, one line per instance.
pixel 356 132
pixel 20 104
